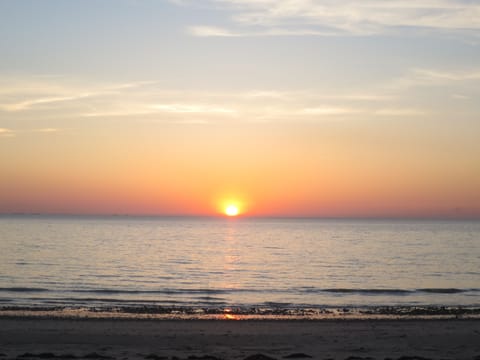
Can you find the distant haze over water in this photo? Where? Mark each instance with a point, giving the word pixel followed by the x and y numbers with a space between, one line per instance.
pixel 217 262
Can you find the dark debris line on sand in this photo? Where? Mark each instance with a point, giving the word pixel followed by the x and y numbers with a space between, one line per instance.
pixel 45 355
pixel 94 355
pixel 155 357
pixel 412 358
pixel 297 356
pixel 259 357
pixel 49 355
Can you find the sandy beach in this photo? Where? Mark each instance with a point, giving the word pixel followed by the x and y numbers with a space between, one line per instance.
pixel 25 338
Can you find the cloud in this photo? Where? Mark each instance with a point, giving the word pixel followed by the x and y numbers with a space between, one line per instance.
pixel 213 31
pixel 118 111
pixel 147 108
pixel 435 77
pixel 25 105
pixel 47 130
pixel 399 112
pixel 329 110
pixel 147 101
pixel 206 31
pixel 10 133
pixel 266 94
pixel 192 108
pixel 341 17
pixel 6 132
pixel 372 110
pixel 460 97
pixel 25 94
pixel 447 76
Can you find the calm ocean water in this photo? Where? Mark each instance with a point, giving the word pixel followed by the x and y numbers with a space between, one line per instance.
pixel 125 261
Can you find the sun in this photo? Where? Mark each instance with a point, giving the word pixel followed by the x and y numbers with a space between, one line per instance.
pixel 231 210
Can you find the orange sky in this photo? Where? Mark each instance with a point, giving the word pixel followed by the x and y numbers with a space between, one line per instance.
pixel 308 170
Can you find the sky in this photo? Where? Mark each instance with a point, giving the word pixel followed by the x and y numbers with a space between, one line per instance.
pixel 281 107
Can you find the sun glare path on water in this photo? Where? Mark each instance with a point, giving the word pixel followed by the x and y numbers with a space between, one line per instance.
pixel 231 210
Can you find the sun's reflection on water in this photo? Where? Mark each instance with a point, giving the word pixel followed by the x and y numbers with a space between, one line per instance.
pixel 228 315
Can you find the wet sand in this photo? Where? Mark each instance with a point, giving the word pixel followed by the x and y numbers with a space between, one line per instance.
pixel 49 338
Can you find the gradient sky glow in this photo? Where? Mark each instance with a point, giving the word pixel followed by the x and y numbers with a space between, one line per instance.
pixel 282 107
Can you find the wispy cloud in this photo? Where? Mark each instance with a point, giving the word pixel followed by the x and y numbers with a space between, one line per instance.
pixel 50 96
pixel 340 17
pixel 210 31
pixel 329 110
pixel 192 109
pixel 144 107
pixel 11 133
pixel 435 77
pixel 266 94
pixel 399 112
pixel 6 132
pixel 59 99
pixel 25 94
pixel 27 104
pixel 338 111
pixel 460 96
pixel 47 130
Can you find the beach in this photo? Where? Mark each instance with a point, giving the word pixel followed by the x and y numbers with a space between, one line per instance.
pixel 75 338
pixel 239 180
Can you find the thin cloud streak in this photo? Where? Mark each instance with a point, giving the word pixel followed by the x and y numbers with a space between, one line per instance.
pixel 327 110
pixel 448 76
pixel 341 17
pixel 206 31
pixel 433 77
pixel 6 132
pixel 192 109
pixel 53 93
pixel 460 97
pixel 60 97
pixel 10 133
pixel 25 105
pixel 145 100
pixel 399 112
pixel 47 130
pixel 213 31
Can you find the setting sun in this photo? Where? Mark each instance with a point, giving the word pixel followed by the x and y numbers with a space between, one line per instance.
pixel 231 210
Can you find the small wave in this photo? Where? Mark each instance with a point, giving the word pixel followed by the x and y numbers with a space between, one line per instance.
pixel 216 294
pixel 124 302
pixel 273 304
pixel 387 291
pixel 370 291
pixel 211 298
pixel 23 289
pixel 443 291
pixel 163 292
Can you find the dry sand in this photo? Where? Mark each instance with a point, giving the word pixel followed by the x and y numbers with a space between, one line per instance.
pixel 25 338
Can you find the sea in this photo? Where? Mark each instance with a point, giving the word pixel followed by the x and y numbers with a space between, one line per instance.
pixel 126 262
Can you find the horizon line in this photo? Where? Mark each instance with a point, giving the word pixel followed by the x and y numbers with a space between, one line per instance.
pixel 239 217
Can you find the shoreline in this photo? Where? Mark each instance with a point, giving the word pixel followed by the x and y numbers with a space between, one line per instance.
pixel 245 313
